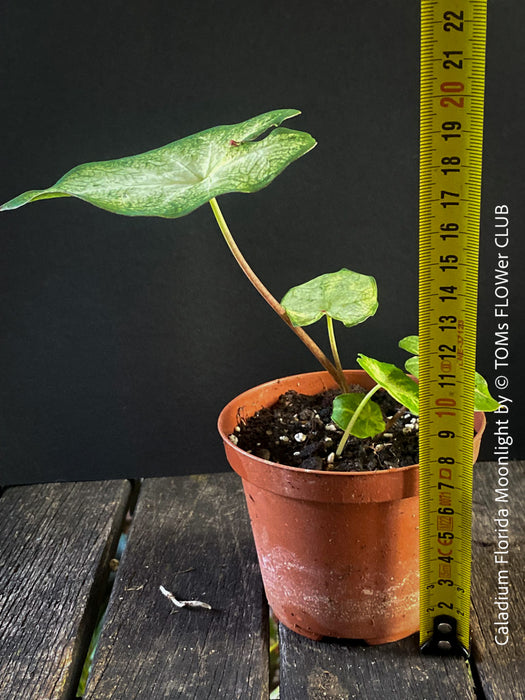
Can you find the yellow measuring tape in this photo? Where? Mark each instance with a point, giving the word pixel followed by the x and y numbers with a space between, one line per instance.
pixel 452 90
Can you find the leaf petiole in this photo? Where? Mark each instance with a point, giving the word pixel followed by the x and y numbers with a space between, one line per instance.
pixel 267 296
pixel 335 353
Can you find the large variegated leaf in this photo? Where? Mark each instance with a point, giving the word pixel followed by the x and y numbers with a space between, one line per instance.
pixel 176 179
pixel 347 296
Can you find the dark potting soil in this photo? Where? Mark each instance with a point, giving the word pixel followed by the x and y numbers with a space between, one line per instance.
pixel 297 431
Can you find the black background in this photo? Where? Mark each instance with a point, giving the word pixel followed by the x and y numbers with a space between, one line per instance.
pixel 121 339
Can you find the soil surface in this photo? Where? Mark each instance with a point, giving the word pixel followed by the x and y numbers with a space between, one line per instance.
pixel 297 431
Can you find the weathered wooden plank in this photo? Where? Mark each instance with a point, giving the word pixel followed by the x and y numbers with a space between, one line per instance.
pixel 190 535
pixel 342 670
pixel 55 544
pixel 498 579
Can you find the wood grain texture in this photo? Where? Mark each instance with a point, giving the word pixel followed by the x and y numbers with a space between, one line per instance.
pixel 499 657
pixel 341 670
pixel 55 544
pixel 192 536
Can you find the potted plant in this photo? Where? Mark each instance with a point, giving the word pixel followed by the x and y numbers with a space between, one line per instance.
pixel 336 522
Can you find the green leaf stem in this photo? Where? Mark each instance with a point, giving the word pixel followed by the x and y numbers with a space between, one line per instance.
pixel 176 179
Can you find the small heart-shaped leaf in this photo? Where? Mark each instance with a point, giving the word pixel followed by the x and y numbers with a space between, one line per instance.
pixel 412 366
pixel 483 401
pixel 176 179
pixel 369 422
pixel 394 380
pixel 410 344
pixel 345 295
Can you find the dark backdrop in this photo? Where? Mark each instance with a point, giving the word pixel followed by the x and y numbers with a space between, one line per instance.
pixel 121 339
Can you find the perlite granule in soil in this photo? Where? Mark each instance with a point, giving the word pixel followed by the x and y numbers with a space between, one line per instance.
pixel 298 431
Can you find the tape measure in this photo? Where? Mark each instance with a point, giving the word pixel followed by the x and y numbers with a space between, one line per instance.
pixel 452 90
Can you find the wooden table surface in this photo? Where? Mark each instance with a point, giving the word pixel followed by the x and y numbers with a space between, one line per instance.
pixel 192 536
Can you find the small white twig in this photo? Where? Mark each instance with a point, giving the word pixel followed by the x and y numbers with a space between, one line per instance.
pixel 184 603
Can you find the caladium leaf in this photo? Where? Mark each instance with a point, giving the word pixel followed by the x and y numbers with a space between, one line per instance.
pixel 410 344
pixel 369 422
pixel 176 179
pixel 483 400
pixel 412 366
pixel 345 295
pixel 394 380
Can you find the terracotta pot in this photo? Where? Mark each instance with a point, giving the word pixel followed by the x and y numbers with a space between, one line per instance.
pixel 338 551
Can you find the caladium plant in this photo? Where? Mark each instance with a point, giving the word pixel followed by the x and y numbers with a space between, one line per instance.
pixel 176 179
pixel 351 298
